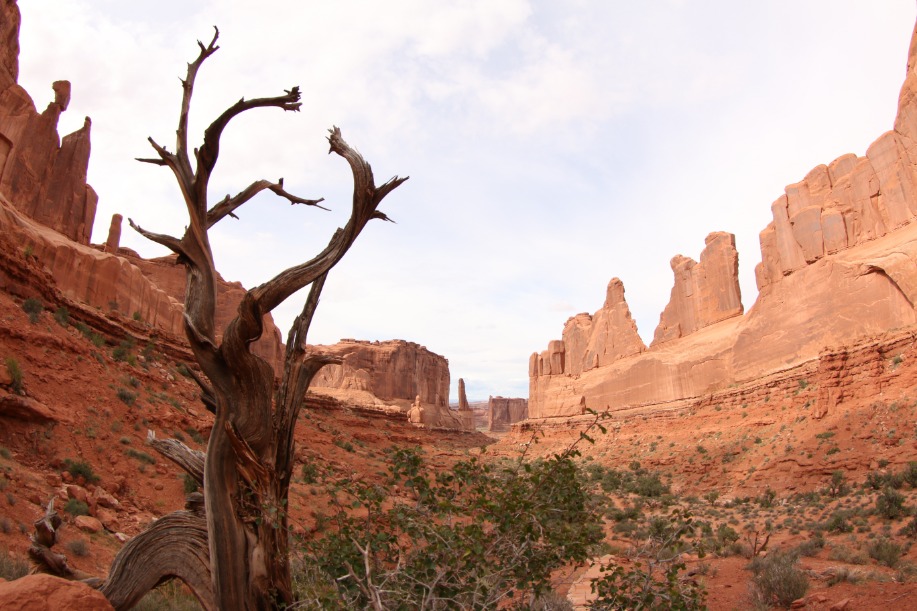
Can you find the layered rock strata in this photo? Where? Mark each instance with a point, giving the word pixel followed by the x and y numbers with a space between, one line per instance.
pixel 503 412
pixel 837 265
pixel 393 370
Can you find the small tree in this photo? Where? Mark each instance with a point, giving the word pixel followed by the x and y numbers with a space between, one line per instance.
pixel 230 546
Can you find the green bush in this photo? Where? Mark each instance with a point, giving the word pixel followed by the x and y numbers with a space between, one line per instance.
pixel 309 472
pixel 12 367
pixel 79 547
pixel 127 397
pixel 777 580
pixel 143 457
pixel 62 316
pixel 467 538
pixel 653 581
pixel 189 483
pixel 890 504
pixel 79 468
pixel 885 552
pixel 33 308
pixel 76 508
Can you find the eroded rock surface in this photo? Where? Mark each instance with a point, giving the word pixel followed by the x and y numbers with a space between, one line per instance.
pixel 390 370
pixel 502 412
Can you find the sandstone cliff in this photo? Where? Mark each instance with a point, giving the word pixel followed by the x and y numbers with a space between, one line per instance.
pixel 42 176
pixel 394 371
pixel 837 265
pixel 502 412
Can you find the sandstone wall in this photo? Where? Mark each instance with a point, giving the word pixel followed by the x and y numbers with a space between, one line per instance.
pixel 390 370
pixel 86 275
pixel 171 278
pixel 503 412
pixel 838 265
pixel 42 176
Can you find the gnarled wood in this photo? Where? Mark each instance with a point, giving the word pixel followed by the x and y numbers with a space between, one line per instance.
pixel 191 461
pixel 247 468
pixel 174 546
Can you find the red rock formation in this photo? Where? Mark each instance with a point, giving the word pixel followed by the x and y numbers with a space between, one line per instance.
pixel 49 593
pixel 170 277
pixel 113 242
pixel 92 277
pixel 391 370
pixel 502 412
pixel 9 45
pixel 704 293
pixel 837 266
pixel 464 411
pixel 41 176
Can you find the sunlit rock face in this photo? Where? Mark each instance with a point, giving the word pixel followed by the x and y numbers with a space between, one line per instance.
pixel 504 411
pixel 837 265
pixel 390 370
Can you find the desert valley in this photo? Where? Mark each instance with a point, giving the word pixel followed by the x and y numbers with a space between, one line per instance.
pixel 747 458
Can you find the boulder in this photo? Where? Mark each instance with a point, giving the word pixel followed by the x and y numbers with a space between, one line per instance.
pixel 49 593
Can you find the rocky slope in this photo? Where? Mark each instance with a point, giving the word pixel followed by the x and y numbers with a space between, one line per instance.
pixel 837 267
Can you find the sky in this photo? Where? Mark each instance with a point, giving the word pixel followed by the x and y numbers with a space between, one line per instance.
pixel 551 144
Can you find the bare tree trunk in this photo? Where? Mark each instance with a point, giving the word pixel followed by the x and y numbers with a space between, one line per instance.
pixel 249 460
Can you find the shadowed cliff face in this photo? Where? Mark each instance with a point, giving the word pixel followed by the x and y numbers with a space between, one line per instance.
pixel 837 265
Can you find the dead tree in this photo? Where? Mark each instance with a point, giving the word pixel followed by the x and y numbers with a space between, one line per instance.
pixel 231 546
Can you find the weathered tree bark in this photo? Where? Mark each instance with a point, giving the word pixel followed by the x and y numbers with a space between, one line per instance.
pixel 249 461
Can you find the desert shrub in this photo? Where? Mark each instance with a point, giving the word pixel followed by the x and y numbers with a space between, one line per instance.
pixel 127 397
pixel 123 352
pixel 33 308
pixel 143 457
pixel 309 472
pixel 909 530
pixel 75 507
pixel 810 547
pixel 649 485
pixel 838 522
pixel 12 367
pixel 12 567
pixel 194 434
pixel 653 580
pixel 877 480
pixel 838 487
pixel 466 539
pixel 62 316
pixel 890 504
pixel 189 484
pixel 910 474
pixel 885 552
pixel 777 579
pixel 79 548
pixel 850 555
pixel 767 498
pixel 79 468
